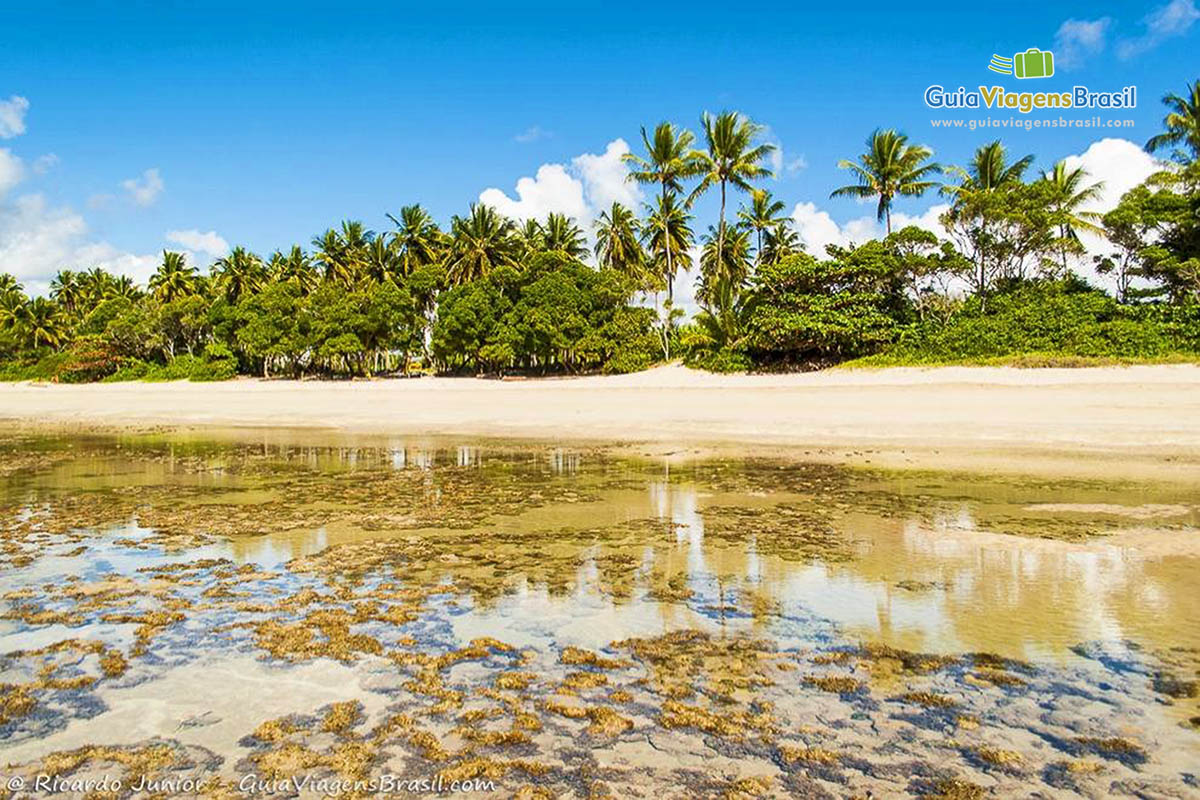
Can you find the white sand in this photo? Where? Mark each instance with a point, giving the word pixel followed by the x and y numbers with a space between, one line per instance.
pixel 1142 409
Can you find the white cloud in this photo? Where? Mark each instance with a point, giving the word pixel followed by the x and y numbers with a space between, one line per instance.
pixel 532 134
pixel 606 178
pixel 590 184
pixel 1121 165
pixel 11 171
pixel 12 116
pixel 43 164
pixel 146 189
pixel 37 240
pixel 209 243
pixel 782 163
pixel 1079 39
pixel 1165 22
pixel 818 229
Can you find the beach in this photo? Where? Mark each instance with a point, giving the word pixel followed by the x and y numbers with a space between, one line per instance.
pixel 1113 414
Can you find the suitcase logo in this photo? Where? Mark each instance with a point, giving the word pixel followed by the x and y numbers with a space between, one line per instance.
pixel 1033 63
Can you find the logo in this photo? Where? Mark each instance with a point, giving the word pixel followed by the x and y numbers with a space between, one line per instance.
pixel 1033 63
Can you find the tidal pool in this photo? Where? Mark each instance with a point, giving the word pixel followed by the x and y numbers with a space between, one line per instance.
pixel 204 615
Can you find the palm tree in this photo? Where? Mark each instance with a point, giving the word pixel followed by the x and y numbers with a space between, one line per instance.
pixel 238 274
pixel 669 161
pixel 725 265
pixel 667 236
pixel 761 216
pixel 417 239
pixel 173 279
pixel 562 234
pixel 12 307
pixel 990 170
pixel 296 269
pixel 530 239
pixel 43 323
pixel 780 242
pixel 891 167
pixel 479 242
pixel 1069 193
pixel 123 286
pixel 1182 124
pixel 66 289
pixel 343 253
pixel 96 285
pixel 382 260
pixel 618 248
pixel 731 157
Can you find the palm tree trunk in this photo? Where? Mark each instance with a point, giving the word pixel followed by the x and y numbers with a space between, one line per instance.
pixel 667 247
pixel 721 230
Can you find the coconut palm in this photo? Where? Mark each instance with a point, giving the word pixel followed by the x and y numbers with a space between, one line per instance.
pixel 560 233
pixel 67 291
pixel 779 242
pixel 123 286
pixel 1070 192
pixel 342 253
pixel 382 260
pixel 480 242
pixel 724 264
pixel 1182 124
pixel 12 308
pixel 238 274
pixel 762 215
pixel 9 285
pixel 668 238
pixel 295 268
pixel 990 170
pixel 731 157
pixel 96 286
pixel 891 167
pixel 43 323
pixel 417 239
pixel 174 278
pixel 669 161
pixel 618 248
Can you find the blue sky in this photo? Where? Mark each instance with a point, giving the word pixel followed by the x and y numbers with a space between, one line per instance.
pixel 266 123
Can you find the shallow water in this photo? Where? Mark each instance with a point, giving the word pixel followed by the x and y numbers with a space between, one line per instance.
pixel 566 621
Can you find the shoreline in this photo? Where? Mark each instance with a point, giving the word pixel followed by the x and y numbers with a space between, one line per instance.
pixel 1109 420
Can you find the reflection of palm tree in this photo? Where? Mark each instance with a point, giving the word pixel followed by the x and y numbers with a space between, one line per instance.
pixel 562 234
pixel 173 279
pixel 1182 124
pixel 891 167
pixel 730 157
pixel 1069 193
pixel 481 241
pixel 761 216
pixel 668 162
pixel 417 238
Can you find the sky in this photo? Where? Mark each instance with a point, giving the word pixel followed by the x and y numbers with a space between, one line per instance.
pixel 126 128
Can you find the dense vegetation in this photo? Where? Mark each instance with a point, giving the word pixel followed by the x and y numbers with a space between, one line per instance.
pixel 492 296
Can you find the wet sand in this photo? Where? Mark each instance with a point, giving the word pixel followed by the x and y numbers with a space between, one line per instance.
pixel 1112 415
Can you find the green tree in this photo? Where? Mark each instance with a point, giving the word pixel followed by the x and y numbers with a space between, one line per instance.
pixel 417 238
pixel 890 168
pixel 43 323
pixel 174 278
pixel 780 241
pixel 480 242
pixel 763 214
pixel 562 234
pixel 668 162
pixel 1069 192
pixel 731 157
pixel 1182 125
pixel 237 274
pixel 618 248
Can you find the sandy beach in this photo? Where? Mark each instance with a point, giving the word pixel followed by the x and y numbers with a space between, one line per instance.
pixel 1122 412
